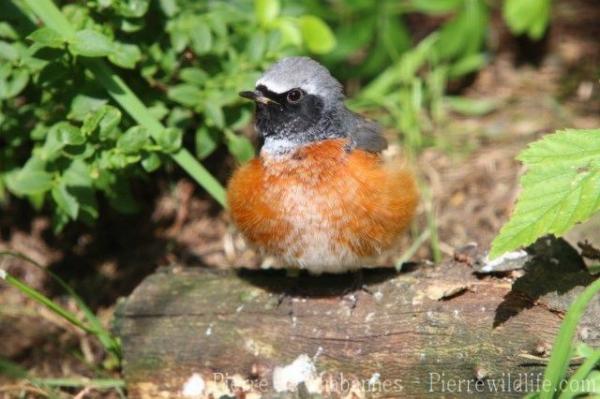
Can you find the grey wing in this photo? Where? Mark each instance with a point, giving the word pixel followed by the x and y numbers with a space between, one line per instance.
pixel 366 135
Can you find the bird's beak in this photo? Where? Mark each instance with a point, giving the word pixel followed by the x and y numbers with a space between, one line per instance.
pixel 258 97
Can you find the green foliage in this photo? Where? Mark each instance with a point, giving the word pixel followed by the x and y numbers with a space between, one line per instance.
pixel 586 379
pixel 528 17
pixel 72 130
pixel 64 141
pixel 560 188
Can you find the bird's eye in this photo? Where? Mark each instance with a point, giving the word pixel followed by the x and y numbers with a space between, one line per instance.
pixel 294 95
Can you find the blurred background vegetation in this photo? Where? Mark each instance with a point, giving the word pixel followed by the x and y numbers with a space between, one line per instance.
pixel 64 141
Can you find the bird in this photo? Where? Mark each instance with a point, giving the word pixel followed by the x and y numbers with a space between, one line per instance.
pixel 319 196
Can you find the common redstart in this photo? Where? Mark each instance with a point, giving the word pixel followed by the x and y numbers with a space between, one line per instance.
pixel 319 196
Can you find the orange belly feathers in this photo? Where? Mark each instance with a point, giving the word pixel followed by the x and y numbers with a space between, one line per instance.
pixel 321 207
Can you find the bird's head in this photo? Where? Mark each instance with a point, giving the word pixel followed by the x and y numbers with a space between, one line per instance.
pixel 297 102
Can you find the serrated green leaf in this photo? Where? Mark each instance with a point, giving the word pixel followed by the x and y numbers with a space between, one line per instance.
pixel 65 200
pixel 47 37
pixel 90 43
pixel 266 10
pixel 317 36
pixel 560 188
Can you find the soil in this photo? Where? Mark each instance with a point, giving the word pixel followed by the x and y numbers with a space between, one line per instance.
pixel 471 173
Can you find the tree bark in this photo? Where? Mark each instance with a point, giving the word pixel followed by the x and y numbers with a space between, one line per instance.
pixel 430 331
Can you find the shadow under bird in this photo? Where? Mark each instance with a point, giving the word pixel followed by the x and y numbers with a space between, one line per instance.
pixel 319 196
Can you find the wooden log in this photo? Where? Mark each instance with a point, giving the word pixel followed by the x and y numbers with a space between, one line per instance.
pixel 431 331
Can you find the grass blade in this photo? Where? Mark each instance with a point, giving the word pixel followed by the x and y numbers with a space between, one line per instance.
pixel 559 359
pixel 47 302
pixel 96 328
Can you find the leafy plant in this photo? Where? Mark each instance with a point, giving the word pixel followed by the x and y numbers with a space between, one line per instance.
pixel 57 85
pixel 528 17
pixel 560 188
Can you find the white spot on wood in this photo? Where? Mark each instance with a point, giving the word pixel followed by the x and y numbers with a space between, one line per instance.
pixel 209 330
pixel 319 351
pixel 378 296
pixel 193 387
pixel 374 379
pixel 369 317
pixel 239 308
pixel 301 370
pixel 3 274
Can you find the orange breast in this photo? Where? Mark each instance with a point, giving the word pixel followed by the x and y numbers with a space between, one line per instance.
pixel 322 208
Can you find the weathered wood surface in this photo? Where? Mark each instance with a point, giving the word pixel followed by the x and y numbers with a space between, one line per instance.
pixel 427 332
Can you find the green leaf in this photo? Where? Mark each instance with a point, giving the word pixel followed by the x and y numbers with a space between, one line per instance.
pixel 133 140
pixel 530 17
pixel 466 65
pixel 436 6
pixel 185 94
pixel 60 135
pixel 14 86
pixel 131 8
pixel 317 36
pixel 169 139
pixel 90 43
pixel 125 55
pixel 32 179
pixel 193 75
pixel 201 38
pixel 206 142
pixel 83 104
pixel 214 113
pixel 151 162
pixel 109 122
pixel 65 200
pixel 469 106
pixel 266 11
pixel 92 120
pixel 47 37
pixel 77 174
pixel 561 188
pixel 8 52
pixel 239 146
